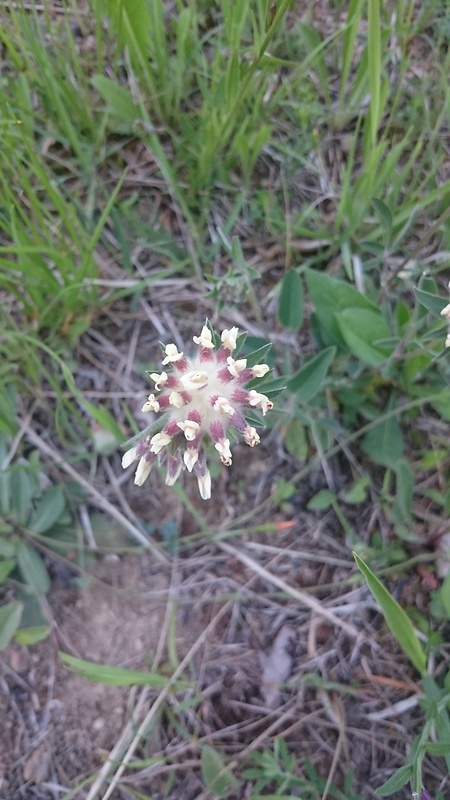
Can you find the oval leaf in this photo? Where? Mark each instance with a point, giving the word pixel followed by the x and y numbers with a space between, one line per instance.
pixel 396 618
pixel 432 302
pixel 290 308
pixel 309 379
pixel 10 616
pixel 364 332
pixel 48 510
pixel 33 568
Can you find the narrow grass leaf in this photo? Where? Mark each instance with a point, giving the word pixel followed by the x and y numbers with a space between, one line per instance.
pixel 396 618
pixel 290 308
pixel 374 65
pixel 348 44
pixel 116 676
pixel 438 748
pixel 400 777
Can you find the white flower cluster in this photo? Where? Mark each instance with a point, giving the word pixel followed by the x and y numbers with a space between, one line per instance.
pixel 202 398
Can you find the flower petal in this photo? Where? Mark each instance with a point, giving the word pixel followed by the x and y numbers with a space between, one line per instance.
pixel 151 404
pixel 205 339
pixel 229 337
pixel 204 485
pixel 129 457
pixel 158 441
pixel 172 354
pixel 159 380
pixel 189 428
pixel 142 472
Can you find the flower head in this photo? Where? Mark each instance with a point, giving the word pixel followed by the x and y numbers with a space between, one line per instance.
pixel 203 400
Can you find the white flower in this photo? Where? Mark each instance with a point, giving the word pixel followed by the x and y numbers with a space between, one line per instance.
pixel 223 448
pixel 172 354
pixel 251 436
pixel 235 367
pixel 447 341
pixel 194 380
pixel 159 380
pixel 158 441
pixel 173 475
pixel 204 485
pixel 142 472
pixel 151 404
pixel 205 339
pixel 176 399
pixel 446 312
pixel 228 338
pixel 129 457
pixel 190 458
pixel 259 370
pixel 259 401
pixel 189 428
pixel 223 406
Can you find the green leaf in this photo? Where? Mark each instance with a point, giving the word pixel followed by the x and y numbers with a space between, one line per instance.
pixel 290 307
pixel 217 777
pixel 432 302
pixel 404 490
pixel 444 595
pixel 10 616
pixel 396 618
pixel 259 356
pixel 321 500
pixel 105 419
pixel 33 568
pixel 295 440
pixel 32 635
pixel 48 511
pixel 22 488
pixel 383 213
pixel 384 442
pixel 331 296
pixel 120 104
pixel 438 748
pixel 132 23
pixel 307 382
pixel 363 332
pixel 357 492
pixel 6 566
pixel 396 781
pixel 116 676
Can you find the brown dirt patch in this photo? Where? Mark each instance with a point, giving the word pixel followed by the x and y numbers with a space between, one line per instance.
pixel 57 726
